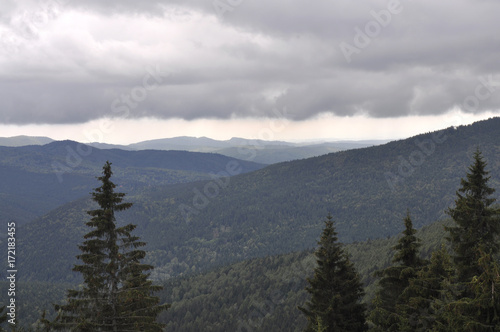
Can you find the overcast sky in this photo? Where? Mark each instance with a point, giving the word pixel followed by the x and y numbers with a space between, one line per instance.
pixel 122 71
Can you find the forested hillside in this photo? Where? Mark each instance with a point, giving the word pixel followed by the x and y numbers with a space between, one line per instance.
pixel 262 293
pixel 37 179
pixel 278 209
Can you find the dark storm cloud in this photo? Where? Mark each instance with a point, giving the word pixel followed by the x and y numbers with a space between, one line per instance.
pixel 245 58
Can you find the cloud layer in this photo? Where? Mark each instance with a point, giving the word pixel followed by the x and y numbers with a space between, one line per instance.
pixel 62 61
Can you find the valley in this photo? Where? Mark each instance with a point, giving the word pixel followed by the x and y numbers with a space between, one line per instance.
pixel 216 227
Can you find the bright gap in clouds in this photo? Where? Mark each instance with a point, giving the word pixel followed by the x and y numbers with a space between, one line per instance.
pixel 325 127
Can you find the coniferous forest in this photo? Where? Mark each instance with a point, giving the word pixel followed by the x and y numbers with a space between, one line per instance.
pixel 441 277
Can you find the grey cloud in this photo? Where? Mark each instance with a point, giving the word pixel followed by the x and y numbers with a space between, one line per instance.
pixel 429 58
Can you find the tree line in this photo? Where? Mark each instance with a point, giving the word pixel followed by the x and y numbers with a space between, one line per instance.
pixel 456 290
pixel 116 294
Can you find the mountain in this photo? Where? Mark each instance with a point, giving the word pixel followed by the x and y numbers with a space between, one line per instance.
pixel 24 140
pixel 278 209
pixel 261 294
pixel 37 179
pixel 260 151
pixel 265 152
pixel 271 154
pixel 200 143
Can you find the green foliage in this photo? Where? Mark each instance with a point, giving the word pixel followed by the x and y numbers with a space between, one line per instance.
pixel 335 288
pixel 255 295
pixel 37 179
pixel 432 297
pixel 395 279
pixel 116 295
pixel 419 309
pixel 479 309
pixel 274 210
pixel 261 294
pixel 477 222
pixel 32 298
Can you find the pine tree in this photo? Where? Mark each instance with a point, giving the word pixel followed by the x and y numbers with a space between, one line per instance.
pixel 420 298
pixel 470 302
pixel 139 308
pixel 478 223
pixel 477 311
pixel 395 279
pixel 335 288
pixel 116 295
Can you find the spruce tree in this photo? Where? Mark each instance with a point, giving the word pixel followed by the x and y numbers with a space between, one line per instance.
pixel 335 288
pixel 479 309
pixel 424 292
pixel 471 302
pixel 116 294
pixel 395 279
pixel 477 222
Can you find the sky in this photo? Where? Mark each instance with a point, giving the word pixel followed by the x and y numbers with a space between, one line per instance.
pixel 123 71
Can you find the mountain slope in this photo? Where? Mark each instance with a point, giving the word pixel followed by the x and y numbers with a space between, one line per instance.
pixel 266 152
pixel 279 209
pixel 260 151
pixel 37 179
pixel 24 140
pixel 261 294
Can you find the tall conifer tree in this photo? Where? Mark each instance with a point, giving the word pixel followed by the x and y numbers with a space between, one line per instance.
pixel 395 279
pixel 476 310
pixel 477 222
pixel 116 295
pixel 422 296
pixel 472 303
pixel 335 288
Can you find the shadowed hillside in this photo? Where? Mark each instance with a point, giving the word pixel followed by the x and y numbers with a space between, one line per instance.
pixel 279 209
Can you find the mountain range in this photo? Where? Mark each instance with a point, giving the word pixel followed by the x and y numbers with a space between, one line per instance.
pixel 35 179
pixel 260 151
pixel 241 243
pixel 191 227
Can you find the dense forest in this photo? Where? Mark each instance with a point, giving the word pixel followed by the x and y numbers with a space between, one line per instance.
pixel 37 179
pixel 265 293
pixel 275 210
pixel 221 276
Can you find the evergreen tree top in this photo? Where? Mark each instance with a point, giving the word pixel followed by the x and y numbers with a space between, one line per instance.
pixel 407 248
pixel 105 195
pixel 477 222
pixel 335 288
pixel 116 294
pixel 476 182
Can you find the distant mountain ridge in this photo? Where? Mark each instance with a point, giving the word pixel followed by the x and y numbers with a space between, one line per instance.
pixel 278 209
pixel 35 179
pixel 24 140
pixel 261 151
